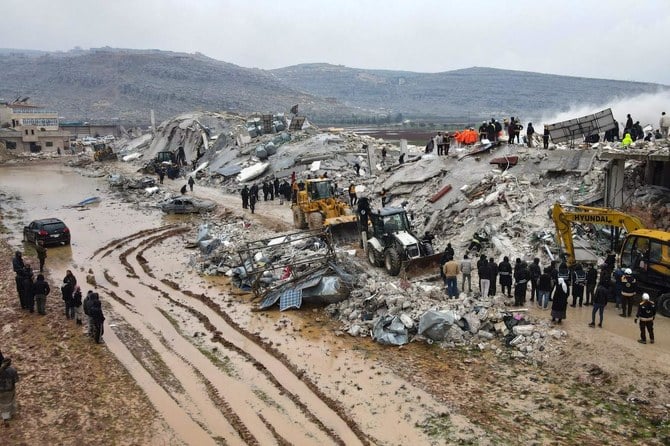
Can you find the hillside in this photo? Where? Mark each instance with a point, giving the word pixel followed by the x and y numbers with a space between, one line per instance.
pixel 108 83
pixel 126 84
pixel 460 94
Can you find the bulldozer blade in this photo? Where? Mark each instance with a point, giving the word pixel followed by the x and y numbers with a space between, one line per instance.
pixel 344 232
pixel 421 266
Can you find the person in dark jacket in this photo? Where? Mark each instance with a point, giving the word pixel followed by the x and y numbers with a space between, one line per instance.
pixel 484 276
pixel 521 277
pixel 505 272
pixel 77 304
pixel 41 254
pixel 599 303
pixel 565 274
pixel 88 302
pixel 19 268
pixel 67 289
pixel 254 191
pixel 628 291
pixel 646 312
pixel 530 131
pixel 245 197
pixel 578 283
pixel 41 290
pixel 534 271
pixel 493 276
pixel 544 287
pixel 252 202
pixel 8 379
pixel 28 288
pixel 591 279
pixel 560 301
pixel 545 138
pixel 95 312
pixel 191 182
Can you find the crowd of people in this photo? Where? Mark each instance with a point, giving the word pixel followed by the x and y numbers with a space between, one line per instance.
pixel 554 287
pixel 32 294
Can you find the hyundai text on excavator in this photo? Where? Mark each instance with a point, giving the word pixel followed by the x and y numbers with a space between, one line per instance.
pixel 393 245
pixel 317 206
pixel 645 251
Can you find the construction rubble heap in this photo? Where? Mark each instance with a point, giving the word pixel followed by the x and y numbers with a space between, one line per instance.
pixel 453 197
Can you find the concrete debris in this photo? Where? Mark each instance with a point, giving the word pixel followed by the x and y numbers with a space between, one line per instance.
pixel 506 208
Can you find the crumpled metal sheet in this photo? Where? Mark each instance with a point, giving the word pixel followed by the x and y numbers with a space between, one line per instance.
pixel 390 330
pixel 435 325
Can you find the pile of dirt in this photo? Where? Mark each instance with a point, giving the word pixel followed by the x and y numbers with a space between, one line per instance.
pixel 71 390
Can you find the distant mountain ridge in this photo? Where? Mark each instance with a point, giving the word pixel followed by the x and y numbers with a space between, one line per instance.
pixel 107 83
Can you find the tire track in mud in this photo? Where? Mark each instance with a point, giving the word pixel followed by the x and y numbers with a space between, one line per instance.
pixel 346 426
pixel 332 404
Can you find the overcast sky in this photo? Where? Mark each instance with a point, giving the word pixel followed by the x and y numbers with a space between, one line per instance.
pixel 613 39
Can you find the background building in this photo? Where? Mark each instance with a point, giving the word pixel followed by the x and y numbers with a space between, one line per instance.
pixel 26 127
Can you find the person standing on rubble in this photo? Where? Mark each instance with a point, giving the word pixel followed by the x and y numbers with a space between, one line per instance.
pixel 545 138
pixel 275 186
pixel 466 271
pixel 511 128
pixel 560 301
pixel 265 191
pixel 383 154
pixel 484 276
pixel 521 277
pixel 544 287
pixel 254 191
pixel 357 168
pixel 363 211
pixel 451 271
pixel 161 174
pixel 505 272
pixel 245 197
pixel 353 199
pixel 530 131
pixel 191 182
pixel 534 271
pixel 629 124
pixel 383 196
pixel 591 280
pixel 578 282
pixel 493 276
pixel 664 124
pixel 252 202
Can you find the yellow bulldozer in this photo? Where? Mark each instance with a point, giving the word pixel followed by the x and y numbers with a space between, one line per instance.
pixel 103 152
pixel 317 206
pixel 645 251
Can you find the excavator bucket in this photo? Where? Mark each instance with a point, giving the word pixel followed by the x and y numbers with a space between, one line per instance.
pixel 421 266
pixel 344 228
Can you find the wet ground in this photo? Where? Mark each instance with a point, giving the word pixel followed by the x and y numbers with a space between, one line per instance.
pixel 216 372
pixel 219 373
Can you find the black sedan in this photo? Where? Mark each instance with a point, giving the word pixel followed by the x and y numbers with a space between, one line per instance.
pixel 51 231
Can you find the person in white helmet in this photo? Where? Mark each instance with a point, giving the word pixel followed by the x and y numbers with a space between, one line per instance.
pixel 628 291
pixel 646 312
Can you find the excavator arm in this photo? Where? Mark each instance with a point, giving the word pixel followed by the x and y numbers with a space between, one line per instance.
pixel 584 214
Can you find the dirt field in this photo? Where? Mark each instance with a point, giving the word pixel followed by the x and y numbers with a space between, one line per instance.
pixel 186 360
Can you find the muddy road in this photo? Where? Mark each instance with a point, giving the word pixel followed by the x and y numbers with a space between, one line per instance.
pixel 216 372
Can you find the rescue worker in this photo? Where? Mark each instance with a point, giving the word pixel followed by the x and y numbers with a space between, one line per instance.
pixel 627 140
pixel 535 271
pixel 353 199
pixel 8 379
pixel 245 197
pixel 449 251
pixel 578 282
pixel 505 272
pixel 628 290
pixel 646 312
pixel 41 290
pixel 41 253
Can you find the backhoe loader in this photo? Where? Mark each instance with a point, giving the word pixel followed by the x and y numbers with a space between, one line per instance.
pixel 645 251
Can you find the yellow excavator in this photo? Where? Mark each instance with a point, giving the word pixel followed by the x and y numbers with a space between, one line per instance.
pixel 318 206
pixel 645 251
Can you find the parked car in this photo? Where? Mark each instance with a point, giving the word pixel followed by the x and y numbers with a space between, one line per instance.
pixel 187 205
pixel 51 231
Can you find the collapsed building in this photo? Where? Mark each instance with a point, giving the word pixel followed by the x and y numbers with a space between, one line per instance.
pixel 502 194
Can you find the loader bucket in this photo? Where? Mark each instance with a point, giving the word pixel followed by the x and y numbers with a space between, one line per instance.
pixel 344 228
pixel 421 266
